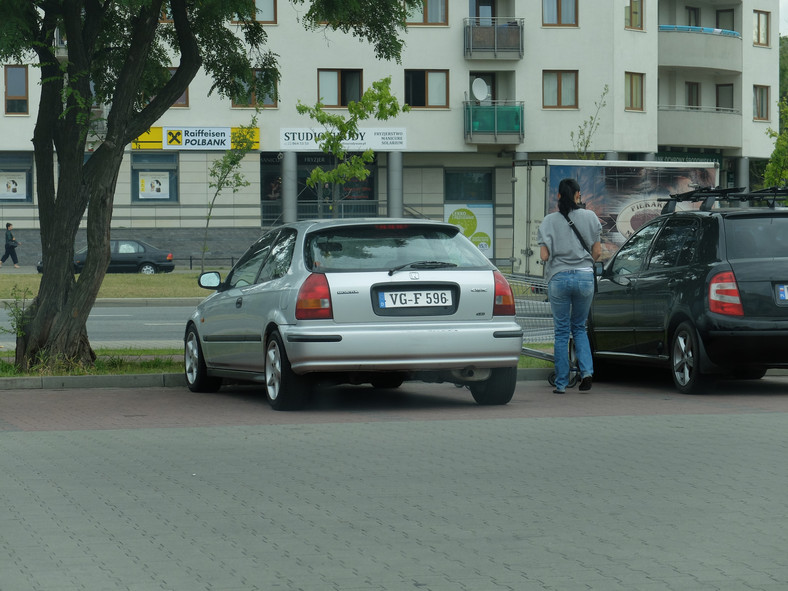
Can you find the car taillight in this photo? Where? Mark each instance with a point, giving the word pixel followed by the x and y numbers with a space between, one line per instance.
pixel 169 256
pixel 314 299
pixel 504 298
pixel 724 295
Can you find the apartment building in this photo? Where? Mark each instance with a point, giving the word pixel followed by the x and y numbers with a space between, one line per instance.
pixel 492 84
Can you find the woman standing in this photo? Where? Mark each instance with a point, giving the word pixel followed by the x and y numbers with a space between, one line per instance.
pixel 569 244
pixel 10 246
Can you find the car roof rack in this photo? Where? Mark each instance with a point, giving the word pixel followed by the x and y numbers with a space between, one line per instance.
pixel 710 195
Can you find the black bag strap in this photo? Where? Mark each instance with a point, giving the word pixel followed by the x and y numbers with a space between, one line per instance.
pixel 577 233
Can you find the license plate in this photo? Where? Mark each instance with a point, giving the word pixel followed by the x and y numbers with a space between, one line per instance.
pixel 414 299
pixel 782 292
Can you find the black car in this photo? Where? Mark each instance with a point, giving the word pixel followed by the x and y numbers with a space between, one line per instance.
pixel 702 292
pixel 129 256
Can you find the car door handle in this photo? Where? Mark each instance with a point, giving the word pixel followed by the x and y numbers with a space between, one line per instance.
pixel 239 302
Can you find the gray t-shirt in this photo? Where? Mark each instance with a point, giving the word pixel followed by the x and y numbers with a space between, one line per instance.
pixel 566 252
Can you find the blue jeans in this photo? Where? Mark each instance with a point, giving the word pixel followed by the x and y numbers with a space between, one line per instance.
pixel 571 293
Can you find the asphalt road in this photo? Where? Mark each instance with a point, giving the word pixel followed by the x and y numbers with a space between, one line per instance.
pixel 629 487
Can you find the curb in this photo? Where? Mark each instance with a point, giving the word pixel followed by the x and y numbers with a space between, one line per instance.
pixel 167 380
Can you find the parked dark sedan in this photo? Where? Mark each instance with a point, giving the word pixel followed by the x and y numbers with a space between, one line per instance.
pixel 703 293
pixel 129 256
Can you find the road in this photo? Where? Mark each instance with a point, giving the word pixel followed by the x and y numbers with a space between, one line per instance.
pixel 127 326
pixel 631 486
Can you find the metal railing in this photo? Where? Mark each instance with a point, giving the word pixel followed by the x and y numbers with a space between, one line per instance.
pixel 501 36
pixel 499 118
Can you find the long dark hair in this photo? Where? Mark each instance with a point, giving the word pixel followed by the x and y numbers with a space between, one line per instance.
pixel 566 195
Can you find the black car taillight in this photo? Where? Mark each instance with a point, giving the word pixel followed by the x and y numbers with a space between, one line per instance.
pixel 314 299
pixel 504 298
pixel 724 297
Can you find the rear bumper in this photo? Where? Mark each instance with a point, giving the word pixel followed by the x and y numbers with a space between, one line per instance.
pixel 402 347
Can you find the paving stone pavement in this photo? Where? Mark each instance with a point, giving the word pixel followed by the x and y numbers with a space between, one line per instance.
pixel 629 488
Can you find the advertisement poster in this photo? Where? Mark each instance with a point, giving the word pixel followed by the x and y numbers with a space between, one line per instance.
pixel 154 185
pixel 13 185
pixel 476 222
pixel 626 197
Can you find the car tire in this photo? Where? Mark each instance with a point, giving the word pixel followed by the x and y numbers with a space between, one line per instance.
pixel 387 381
pixel 148 269
pixel 497 389
pixel 195 370
pixel 685 360
pixel 284 389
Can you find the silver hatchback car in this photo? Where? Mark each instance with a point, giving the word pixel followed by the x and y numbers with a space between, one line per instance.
pixel 376 301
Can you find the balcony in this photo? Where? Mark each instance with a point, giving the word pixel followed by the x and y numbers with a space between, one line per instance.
pixel 499 122
pixel 699 127
pixel 700 47
pixel 494 38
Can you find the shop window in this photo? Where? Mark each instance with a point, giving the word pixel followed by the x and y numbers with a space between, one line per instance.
pixel 16 176
pixel 468 185
pixel 16 95
pixel 427 88
pixel 154 177
pixel 633 84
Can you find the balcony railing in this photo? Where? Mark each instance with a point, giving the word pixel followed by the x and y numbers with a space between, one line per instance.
pixel 499 37
pixel 500 122
pixel 271 211
pixel 703 30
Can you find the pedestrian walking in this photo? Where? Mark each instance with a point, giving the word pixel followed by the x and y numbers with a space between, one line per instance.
pixel 10 246
pixel 564 237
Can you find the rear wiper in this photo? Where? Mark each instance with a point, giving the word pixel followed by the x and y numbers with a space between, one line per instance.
pixel 423 265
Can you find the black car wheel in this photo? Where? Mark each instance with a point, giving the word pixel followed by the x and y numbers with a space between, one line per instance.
pixel 197 378
pixel 685 360
pixel 285 389
pixel 148 269
pixel 497 389
pixel 388 381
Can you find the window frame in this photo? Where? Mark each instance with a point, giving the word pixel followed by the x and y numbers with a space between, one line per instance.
pixel 559 14
pixel 760 102
pixel 339 72
pixel 629 11
pixel 559 89
pixel 16 167
pixel 254 104
pixel 692 91
pixel 727 12
pixel 182 102
pixel 427 95
pixel 155 164
pixel 693 16
pixel 632 91
pixel 425 11
pixel 760 38
pixel 12 97
pixel 726 86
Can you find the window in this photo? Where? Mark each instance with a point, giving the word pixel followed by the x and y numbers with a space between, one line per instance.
pixel 249 98
pixel 725 19
pixel 427 88
pixel 760 30
pixel 277 264
pixel 434 12
pixel 725 97
pixel 633 14
pixel 760 103
pixel 675 246
pixel 634 88
pixel 559 12
pixel 468 185
pixel 16 176
pixel 559 89
pixel 337 88
pixel 265 11
pixel 16 99
pixel 693 16
pixel 630 257
pixel 183 100
pixel 154 177
pixel 693 94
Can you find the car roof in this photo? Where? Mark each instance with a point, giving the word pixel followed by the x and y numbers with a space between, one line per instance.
pixel 311 225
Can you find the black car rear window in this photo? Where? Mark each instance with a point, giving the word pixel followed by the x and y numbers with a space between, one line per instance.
pixel 385 246
pixel 756 237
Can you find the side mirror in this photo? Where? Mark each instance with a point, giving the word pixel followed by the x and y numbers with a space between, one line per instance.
pixel 599 268
pixel 209 280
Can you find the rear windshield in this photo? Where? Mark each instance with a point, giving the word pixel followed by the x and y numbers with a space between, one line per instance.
pixel 386 246
pixel 756 237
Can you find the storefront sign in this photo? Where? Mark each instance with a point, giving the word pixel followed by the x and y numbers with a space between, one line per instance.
pixel 191 138
pixel 382 139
